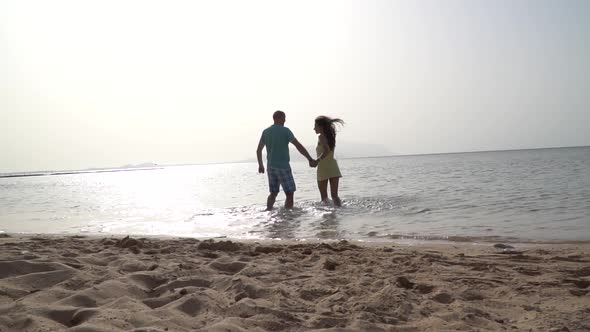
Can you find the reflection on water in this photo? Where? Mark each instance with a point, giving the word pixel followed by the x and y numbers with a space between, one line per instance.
pixel 282 223
pixel 308 220
pixel 327 226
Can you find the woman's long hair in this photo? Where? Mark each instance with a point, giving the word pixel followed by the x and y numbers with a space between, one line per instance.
pixel 329 128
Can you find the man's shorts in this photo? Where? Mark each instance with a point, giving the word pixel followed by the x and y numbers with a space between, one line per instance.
pixel 282 177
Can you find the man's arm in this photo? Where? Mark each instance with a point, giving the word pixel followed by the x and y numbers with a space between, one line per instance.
pixel 304 152
pixel 259 155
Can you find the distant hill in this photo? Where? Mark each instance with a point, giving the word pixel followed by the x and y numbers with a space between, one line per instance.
pixel 142 166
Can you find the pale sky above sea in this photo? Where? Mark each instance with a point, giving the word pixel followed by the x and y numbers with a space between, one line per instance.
pixel 109 83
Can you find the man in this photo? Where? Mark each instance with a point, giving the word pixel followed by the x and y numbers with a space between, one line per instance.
pixel 276 138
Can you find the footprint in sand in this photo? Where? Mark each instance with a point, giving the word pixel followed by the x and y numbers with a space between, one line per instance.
pixel 191 306
pixel 180 283
pixel 231 267
pixel 583 272
pixel 78 300
pixel 147 281
pixel 33 276
pixel 71 317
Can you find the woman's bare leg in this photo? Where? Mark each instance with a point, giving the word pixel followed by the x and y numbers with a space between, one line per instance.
pixel 334 191
pixel 323 186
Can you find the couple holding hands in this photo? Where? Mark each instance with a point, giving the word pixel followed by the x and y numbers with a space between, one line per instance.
pixel 277 137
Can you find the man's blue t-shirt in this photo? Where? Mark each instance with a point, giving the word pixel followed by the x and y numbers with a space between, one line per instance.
pixel 277 138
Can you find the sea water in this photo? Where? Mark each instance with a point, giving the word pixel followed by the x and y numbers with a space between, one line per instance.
pixel 520 195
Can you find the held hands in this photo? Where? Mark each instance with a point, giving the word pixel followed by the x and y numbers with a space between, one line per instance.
pixel 313 163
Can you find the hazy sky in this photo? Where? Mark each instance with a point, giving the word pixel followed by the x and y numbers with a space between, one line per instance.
pixel 107 83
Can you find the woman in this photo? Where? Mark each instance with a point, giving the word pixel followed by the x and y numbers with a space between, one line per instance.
pixel 328 170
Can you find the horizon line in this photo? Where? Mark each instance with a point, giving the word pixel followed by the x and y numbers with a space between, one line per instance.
pixel 156 165
pixel 472 151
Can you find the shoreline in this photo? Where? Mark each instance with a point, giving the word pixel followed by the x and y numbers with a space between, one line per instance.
pixel 105 283
pixel 371 241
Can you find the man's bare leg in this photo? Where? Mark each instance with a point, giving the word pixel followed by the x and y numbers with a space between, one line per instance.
pixel 270 201
pixel 289 200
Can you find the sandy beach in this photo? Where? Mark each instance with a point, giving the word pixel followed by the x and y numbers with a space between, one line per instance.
pixel 75 283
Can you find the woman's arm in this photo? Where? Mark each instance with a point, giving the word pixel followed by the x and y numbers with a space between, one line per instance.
pixel 324 143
